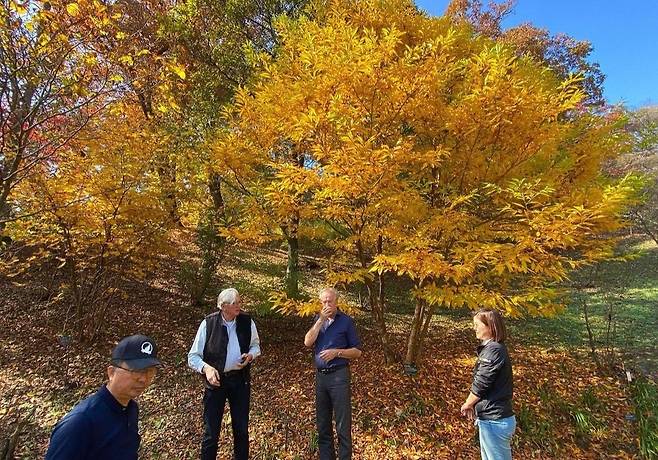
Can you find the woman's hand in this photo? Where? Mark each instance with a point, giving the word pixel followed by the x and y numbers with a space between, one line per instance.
pixel 467 411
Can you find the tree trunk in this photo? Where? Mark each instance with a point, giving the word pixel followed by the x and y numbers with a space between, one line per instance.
pixel 413 341
pixel 590 335
pixel 167 175
pixel 215 187
pixel 379 306
pixel 292 270
pixel 376 298
pixel 419 328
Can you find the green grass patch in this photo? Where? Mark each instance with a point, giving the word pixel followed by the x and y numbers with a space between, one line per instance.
pixel 623 311
pixel 645 399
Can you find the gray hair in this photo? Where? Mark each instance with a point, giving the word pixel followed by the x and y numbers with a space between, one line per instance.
pixel 229 295
pixel 329 289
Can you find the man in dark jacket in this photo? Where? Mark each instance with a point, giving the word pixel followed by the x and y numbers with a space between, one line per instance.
pixel 104 425
pixel 225 345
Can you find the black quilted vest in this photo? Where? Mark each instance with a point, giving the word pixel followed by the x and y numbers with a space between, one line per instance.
pixel 214 350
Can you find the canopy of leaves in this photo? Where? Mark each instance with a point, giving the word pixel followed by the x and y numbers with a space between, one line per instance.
pixel 562 53
pixel 473 165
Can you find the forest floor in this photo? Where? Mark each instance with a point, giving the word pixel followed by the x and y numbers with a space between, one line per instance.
pixel 565 406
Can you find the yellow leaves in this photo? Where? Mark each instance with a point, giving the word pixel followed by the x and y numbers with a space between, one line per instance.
pixel 127 60
pixel 428 152
pixel 178 70
pixel 286 306
pixel 345 278
pixel 571 92
pixel 73 9
pixel 102 197
pixel 17 7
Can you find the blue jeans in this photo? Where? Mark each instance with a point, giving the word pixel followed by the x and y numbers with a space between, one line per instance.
pixel 495 437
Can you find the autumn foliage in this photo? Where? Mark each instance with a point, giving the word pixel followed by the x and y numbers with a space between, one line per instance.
pixel 430 152
pixel 443 160
pixel 97 215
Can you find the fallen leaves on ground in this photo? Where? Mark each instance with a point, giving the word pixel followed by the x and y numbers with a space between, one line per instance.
pixel 395 416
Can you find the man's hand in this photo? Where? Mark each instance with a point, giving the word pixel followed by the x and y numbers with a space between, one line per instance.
pixel 325 313
pixel 329 354
pixel 467 411
pixel 211 374
pixel 246 359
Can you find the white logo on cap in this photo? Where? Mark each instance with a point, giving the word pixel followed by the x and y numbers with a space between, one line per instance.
pixel 147 348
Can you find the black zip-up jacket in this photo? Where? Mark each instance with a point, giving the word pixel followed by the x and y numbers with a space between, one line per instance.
pixel 492 382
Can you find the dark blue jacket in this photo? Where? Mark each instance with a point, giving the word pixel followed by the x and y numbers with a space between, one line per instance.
pixel 98 428
pixel 492 382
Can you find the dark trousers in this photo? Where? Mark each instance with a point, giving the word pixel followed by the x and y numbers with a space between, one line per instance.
pixel 333 397
pixel 236 389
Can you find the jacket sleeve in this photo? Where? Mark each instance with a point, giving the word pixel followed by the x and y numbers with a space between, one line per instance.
pixel 491 361
pixel 70 439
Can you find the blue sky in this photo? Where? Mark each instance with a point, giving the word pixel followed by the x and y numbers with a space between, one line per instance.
pixel 624 36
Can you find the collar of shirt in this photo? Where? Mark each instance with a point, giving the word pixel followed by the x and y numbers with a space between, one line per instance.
pixel 328 322
pixel 228 323
pixel 111 401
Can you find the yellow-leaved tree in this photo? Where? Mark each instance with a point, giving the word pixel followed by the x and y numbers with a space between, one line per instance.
pixel 53 80
pixel 95 212
pixel 432 153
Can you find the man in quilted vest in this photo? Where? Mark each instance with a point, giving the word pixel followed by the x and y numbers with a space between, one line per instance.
pixel 225 345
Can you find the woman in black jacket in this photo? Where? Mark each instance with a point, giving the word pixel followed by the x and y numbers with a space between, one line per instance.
pixel 490 399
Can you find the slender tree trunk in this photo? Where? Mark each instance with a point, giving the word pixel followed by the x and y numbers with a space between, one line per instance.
pixel 215 187
pixel 293 274
pixel 379 315
pixel 7 175
pixel 419 327
pixel 429 314
pixel 292 270
pixel 379 311
pixel 590 335
pixel 377 301
pixel 413 341
pixel 167 175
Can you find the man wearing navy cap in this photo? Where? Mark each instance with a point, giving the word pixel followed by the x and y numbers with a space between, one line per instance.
pixel 104 425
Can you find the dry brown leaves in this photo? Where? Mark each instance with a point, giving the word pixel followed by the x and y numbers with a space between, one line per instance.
pixel 395 416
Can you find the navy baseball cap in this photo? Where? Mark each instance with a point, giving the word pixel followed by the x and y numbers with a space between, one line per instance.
pixel 137 352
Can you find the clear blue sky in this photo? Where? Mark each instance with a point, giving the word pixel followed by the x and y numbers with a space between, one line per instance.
pixel 624 35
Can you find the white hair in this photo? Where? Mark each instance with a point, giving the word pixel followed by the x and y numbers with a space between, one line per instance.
pixel 229 295
pixel 329 289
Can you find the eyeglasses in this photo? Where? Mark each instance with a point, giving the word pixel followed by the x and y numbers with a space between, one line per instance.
pixel 148 372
